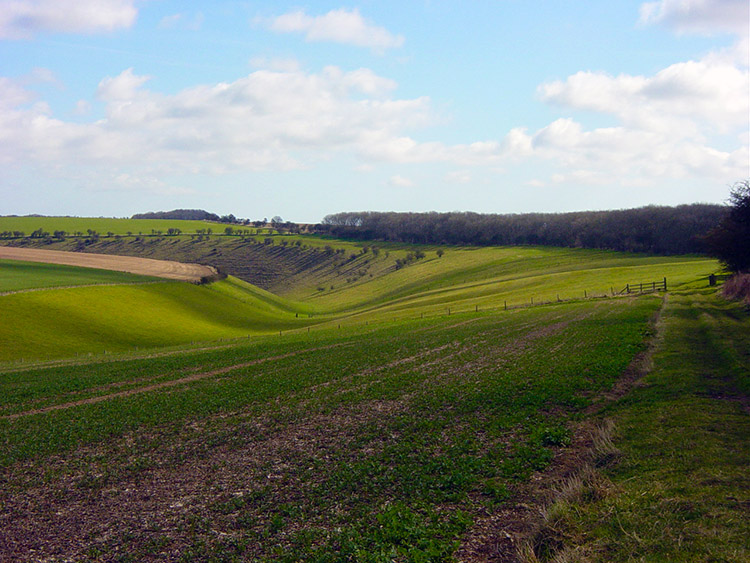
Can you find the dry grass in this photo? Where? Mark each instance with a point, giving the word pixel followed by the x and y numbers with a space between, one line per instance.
pixel 551 540
pixel 738 288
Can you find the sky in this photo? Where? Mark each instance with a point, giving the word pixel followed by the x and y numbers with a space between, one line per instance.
pixel 261 109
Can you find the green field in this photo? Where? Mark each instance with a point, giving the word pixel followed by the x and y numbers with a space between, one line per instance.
pixel 370 443
pixel 64 322
pixel 16 275
pixel 366 412
pixel 102 225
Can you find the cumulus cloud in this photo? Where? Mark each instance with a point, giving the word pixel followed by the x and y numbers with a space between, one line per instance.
pixel 698 16
pixel 21 19
pixel 686 121
pixel 267 120
pixel 82 107
pixel 121 87
pixel 694 95
pixel 337 26
pixel 669 125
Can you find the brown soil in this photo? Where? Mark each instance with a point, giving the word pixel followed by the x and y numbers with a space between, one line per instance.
pixel 144 266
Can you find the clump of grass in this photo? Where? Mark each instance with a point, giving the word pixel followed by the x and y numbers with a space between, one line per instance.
pixel 738 288
pixel 552 540
pixel 604 450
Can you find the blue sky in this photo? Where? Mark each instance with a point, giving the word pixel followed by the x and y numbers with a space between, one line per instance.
pixel 114 107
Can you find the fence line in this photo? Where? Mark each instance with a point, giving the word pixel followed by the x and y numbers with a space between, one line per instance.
pixel 648 287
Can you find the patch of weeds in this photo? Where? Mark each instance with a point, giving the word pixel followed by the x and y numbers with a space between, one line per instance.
pixel 246 521
pixel 232 505
pixel 94 553
pixel 605 451
pixel 524 460
pixel 276 524
pixel 139 464
pixel 396 533
pixel 548 541
pixel 156 545
pixel 548 435
pixel 496 491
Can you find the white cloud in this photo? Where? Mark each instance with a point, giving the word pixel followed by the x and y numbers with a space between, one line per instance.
pixel 21 19
pixel 12 94
pixel 695 95
pixel 122 87
pixel 338 26
pixel 400 182
pixel 687 121
pixel 699 16
pixel 669 125
pixel 268 120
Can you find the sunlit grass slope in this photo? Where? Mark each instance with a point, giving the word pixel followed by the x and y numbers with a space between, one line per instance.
pixel 354 286
pixel 63 322
pixel 464 278
pixel 16 275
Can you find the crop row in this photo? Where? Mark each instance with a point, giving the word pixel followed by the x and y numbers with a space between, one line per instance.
pixel 377 443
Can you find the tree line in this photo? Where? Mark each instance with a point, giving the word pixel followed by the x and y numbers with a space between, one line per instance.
pixel 653 229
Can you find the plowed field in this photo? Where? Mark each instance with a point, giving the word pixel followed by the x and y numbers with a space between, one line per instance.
pixel 143 266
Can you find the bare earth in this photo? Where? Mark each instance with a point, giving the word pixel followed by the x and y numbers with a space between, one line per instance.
pixel 143 266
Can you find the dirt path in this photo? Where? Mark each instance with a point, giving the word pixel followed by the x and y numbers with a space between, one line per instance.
pixel 144 266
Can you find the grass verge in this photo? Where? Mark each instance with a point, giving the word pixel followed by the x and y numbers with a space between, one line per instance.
pixel 679 490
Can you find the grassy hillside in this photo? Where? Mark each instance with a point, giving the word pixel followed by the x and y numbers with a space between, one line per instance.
pixel 464 278
pixel 64 322
pixel 335 275
pixel 317 280
pixel 17 275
